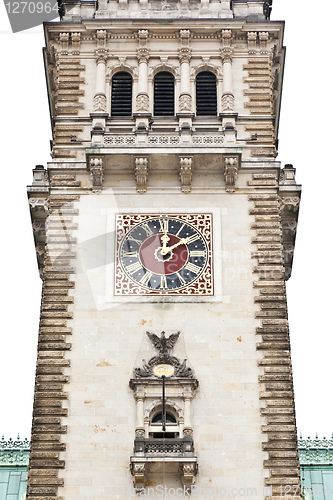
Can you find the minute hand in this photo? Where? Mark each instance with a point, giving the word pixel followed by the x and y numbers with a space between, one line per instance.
pixel 166 250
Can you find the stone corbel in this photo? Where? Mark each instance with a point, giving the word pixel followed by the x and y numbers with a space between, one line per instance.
pixel 188 472
pixel 96 172
pixel 252 42
pixel 64 40
pixel 263 39
pixel 141 173
pixel 230 172
pixel 139 473
pixel 185 173
pixel 76 43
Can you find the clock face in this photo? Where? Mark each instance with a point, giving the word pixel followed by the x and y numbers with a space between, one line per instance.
pixel 164 254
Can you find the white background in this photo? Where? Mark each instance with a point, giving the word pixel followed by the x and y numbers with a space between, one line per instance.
pixel 305 137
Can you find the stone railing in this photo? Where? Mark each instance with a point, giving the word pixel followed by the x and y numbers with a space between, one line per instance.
pixel 169 446
pixel 169 140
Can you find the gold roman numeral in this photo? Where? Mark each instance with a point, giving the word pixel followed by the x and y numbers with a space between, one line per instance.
pixel 163 281
pixel 197 253
pixel 181 279
pixel 145 279
pixel 133 268
pixel 192 267
pixel 145 226
pixel 192 238
pixel 164 223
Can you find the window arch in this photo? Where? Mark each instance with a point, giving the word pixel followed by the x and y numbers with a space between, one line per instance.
pixel 164 94
pixel 121 94
pixel 206 95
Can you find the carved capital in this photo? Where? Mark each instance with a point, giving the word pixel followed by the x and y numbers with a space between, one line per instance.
pixel 184 55
pixel 96 172
pixel 142 54
pixel 185 173
pixel 226 55
pixel 230 172
pixel 101 56
pixel 141 173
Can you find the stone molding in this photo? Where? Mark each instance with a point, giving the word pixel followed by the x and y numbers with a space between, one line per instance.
pixel 280 441
pixel 141 173
pixel 53 343
pixel 185 173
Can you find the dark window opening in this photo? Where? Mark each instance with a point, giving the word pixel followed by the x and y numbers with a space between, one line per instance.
pixel 206 96
pixel 169 419
pixel 164 94
pixel 121 94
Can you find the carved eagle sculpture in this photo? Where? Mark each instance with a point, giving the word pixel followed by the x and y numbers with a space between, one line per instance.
pixel 163 344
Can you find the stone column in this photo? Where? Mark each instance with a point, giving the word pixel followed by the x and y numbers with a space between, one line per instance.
pixel 187 412
pixel 228 100
pixel 101 54
pixel 142 98
pixel 185 97
pixel 140 426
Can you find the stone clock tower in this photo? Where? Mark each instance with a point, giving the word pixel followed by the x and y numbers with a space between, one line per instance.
pixel 164 232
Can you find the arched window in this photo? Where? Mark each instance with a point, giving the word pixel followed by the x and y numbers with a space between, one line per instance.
pixel 164 94
pixel 121 94
pixel 169 418
pixel 206 97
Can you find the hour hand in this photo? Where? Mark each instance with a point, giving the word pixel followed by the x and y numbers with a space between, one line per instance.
pixel 166 250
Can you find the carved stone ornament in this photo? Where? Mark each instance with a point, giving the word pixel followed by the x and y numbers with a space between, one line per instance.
pixel 100 102
pixel 96 172
pixel 101 39
pixel 263 39
pixel 164 345
pixel 101 55
pixel 139 473
pixel 228 101
pixel 64 39
pixel 184 54
pixel 252 41
pixel 141 173
pixel 188 473
pixel 185 103
pixel 142 103
pixel 142 54
pixel 230 170
pixel 76 43
pixel 185 173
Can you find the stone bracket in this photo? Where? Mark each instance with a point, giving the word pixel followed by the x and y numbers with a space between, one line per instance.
pixel 141 173
pixel 290 195
pixel 185 173
pixel 96 172
pixel 231 164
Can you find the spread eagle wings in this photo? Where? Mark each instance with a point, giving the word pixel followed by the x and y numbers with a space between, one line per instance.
pixel 163 342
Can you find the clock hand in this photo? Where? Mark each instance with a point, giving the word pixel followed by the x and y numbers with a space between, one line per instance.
pixel 166 249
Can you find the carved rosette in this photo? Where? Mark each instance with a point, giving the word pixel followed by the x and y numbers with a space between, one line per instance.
pixel 230 171
pixel 185 173
pixel 96 173
pixel 141 173
pixel 142 102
